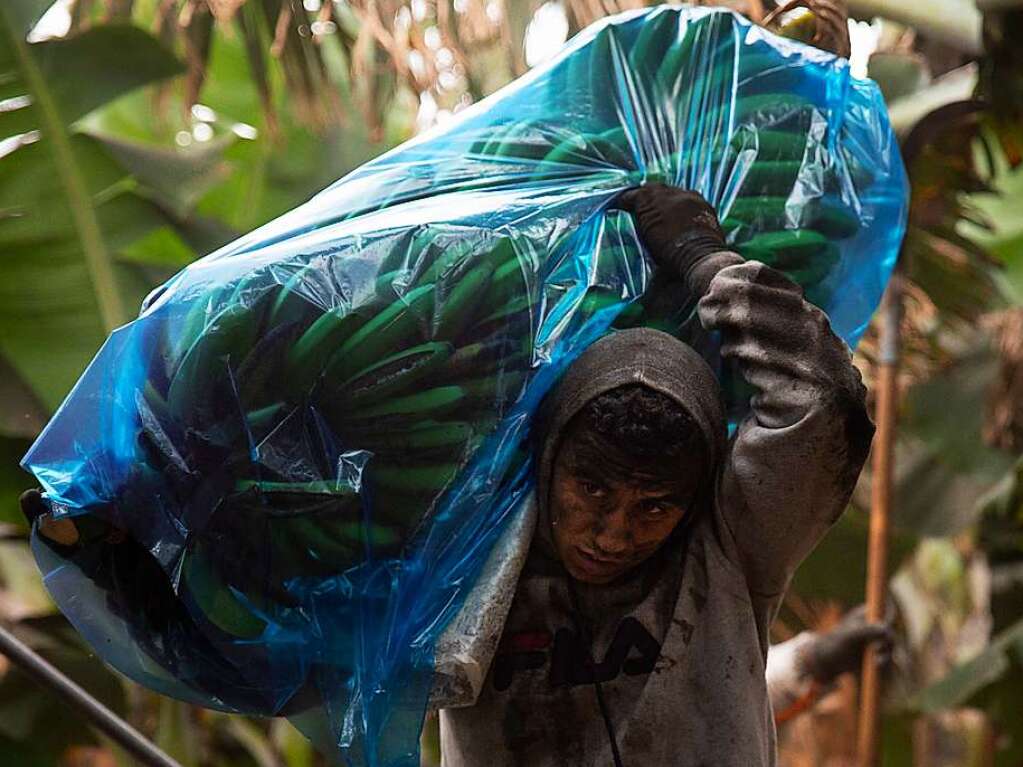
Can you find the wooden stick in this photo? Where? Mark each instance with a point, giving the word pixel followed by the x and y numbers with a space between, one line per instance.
pixel 880 502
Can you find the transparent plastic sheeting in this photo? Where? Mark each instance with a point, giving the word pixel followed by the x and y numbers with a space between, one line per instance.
pixel 288 471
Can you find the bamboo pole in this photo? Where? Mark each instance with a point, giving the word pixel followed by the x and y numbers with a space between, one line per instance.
pixel 880 502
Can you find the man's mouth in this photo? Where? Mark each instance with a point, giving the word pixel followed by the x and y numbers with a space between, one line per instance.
pixel 594 564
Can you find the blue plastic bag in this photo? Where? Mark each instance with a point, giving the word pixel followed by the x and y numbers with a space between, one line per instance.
pixel 288 471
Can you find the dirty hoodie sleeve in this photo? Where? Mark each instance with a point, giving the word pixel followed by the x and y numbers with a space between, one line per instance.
pixel 794 459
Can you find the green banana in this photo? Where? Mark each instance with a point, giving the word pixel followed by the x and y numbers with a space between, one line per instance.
pixel 311 352
pixel 378 536
pixel 408 248
pixel 414 479
pixel 227 337
pixel 478 146
pixel 455 310
pixel 524 144
pixel 509 278
pixel 570 151
pixel 805 255
pixel 384 286
pixel 770 178
pixel 650 45
pixel 786 247
pixel 446 265
pixel 835 221
pixel 260 421
pixel 499 387
pixel 156 403
pixel 194 323
pixel 390 329
pixel 613 146
pixel 767 213
pixel 773 109
pixel 426 404
pixel 631 316
pixel 756 73
pixel 423 435
pixel 317 487
pixel 598 298
pixel 517 310
pixel 290 305
pixel 307 546
pixel 675 71
pixel 393 375
pixel 257 378
pixel 601 73
pixel 787 146
pixel 485 356
pixel 216 600
pixel 388 503
pixel 497 137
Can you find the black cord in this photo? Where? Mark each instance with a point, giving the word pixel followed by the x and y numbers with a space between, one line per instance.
pixel 608 725
pixel 105 720
pixel 587 639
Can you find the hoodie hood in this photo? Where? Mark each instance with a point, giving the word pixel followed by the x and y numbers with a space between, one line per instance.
pixel 639 356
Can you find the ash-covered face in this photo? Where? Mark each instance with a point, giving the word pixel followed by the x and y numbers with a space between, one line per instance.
pixel 610 511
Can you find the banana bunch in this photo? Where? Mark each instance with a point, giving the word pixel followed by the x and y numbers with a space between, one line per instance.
pixel 328 413
pixel 413 372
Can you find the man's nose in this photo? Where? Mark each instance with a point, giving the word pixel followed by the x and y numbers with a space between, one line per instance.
pixel 613 538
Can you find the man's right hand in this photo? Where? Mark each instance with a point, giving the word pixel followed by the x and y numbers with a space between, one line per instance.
pixel 840 650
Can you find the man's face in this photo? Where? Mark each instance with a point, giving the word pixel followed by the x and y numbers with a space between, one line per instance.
pixel 610 511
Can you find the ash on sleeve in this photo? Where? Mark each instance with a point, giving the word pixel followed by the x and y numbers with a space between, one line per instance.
pixel 794 460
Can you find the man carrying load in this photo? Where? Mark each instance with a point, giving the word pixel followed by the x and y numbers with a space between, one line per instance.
pixel 638 632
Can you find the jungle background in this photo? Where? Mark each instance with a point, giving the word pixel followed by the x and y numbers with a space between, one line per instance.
pixel 139 135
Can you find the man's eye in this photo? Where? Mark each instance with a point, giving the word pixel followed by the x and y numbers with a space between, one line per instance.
pixel 592 488
pixel 655 509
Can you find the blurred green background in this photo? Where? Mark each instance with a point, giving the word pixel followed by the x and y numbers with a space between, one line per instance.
pixel 139 135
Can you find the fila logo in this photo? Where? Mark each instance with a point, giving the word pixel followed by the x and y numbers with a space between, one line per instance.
pixel 633 651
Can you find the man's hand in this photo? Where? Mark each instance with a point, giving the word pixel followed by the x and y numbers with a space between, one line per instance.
pixel 678 227
pixel 840 651
pixel 61 531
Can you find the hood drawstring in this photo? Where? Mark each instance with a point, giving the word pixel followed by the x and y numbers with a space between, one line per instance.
pixel 586 636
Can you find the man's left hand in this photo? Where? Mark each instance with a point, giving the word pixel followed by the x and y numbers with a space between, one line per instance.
pixel 679 227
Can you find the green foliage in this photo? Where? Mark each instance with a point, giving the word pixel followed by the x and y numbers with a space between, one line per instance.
pixel 12 479
pixel 837 569
pixel 1004 236
pixel 992 681
pixel 897 74
pixel 943 467
pixel 62 195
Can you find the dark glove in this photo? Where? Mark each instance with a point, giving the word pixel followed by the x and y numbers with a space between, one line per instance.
pixel 840 651
pixel 679 228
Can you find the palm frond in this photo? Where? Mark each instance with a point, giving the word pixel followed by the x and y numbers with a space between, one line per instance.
pixel 1000 82
pixel 1004 424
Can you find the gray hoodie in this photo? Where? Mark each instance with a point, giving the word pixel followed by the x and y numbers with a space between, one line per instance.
pixel 679 645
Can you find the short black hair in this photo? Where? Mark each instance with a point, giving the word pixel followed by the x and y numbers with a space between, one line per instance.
pixel 642 425
pixel 642 421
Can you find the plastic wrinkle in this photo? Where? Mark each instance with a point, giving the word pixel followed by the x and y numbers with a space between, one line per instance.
pixel 313 437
